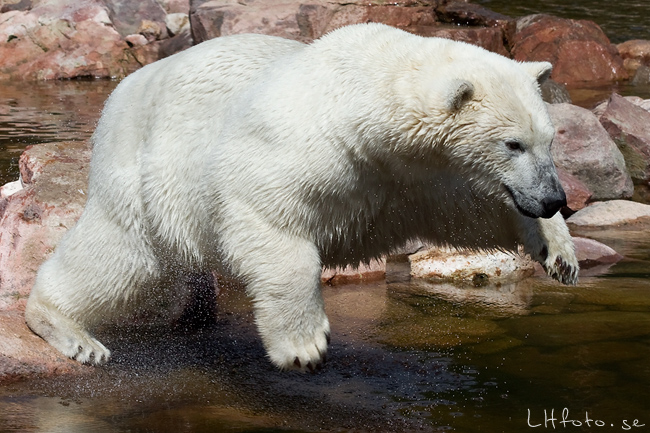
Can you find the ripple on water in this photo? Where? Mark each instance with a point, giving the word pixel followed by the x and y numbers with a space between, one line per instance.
pixel 41 112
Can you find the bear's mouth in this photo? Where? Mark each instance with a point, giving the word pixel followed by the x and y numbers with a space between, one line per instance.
pixel 520 209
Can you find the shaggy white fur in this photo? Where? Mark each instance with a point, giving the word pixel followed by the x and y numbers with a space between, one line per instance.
pixel 269 159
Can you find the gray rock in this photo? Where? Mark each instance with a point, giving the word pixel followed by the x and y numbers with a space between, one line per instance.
pixel 629 126
pixel 584 149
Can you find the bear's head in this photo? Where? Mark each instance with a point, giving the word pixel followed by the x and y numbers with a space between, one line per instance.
pixel 483 114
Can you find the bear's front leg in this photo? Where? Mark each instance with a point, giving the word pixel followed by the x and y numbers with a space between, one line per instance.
pixel 548 241
pixel 282 274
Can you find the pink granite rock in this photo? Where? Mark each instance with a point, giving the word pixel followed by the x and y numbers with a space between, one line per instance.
pixel 490 38
pixel 24 354
pixel 301 21
pixel 62 40
pixel 577 193
pixel 35 218
pixel 591 253
pixel 579 50
pixel 56 39
pixel 629 126
pixel 584 149
pixel 614 213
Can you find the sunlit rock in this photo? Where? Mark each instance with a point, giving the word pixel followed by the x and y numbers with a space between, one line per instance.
pixel 578 49
pixel 301 21
pixel 611 213
pixel 599 109
pixel 25 355
pixel 470 266
pixel 177 23
pixel 36 217
pixel 55 39
pixel 10 188
pixel 594 257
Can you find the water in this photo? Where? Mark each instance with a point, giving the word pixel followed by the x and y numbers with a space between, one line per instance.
pixel 42 112
pixel 405 356
pixel 622 21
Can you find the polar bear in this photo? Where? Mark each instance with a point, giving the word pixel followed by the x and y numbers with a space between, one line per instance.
pixel 268 159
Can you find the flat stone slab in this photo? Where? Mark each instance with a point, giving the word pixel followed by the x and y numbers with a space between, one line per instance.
pixel 611 213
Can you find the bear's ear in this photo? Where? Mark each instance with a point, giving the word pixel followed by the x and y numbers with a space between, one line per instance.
pixel 459 93
pixel 538 70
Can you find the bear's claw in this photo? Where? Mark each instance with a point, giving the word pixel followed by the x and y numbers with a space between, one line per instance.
pixel 563 271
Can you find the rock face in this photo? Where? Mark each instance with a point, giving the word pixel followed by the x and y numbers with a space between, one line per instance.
pixel 308 21
pixel 578 50
pixel 583 149
pixel 54 39
pixel 33 219
pixel 611 213
pixel 629 126
pixel 300 21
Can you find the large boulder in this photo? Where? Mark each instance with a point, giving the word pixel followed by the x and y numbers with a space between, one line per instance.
pixel 490 38
pixel 629 126
pixel 584 149
pixel 579 50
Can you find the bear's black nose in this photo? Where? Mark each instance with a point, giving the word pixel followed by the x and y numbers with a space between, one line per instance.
pixel 553 203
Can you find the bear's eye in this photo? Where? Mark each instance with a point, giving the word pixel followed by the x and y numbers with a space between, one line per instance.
pixel 514 146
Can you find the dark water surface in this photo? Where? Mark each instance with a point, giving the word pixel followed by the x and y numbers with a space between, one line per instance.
pixel 42 112
pixel 621 20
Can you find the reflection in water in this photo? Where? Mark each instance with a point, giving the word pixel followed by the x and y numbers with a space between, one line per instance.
pixel 42 112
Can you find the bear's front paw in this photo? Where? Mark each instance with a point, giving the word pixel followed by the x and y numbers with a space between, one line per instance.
pixel 300 351
pixel 564 270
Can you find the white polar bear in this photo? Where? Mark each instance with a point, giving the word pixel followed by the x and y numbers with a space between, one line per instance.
pixel 270 159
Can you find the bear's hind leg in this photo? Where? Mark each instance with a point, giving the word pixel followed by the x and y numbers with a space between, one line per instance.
pixel 96 275
pixel 63 333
